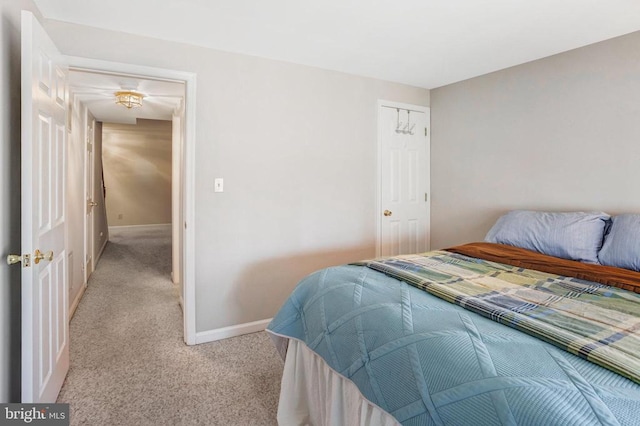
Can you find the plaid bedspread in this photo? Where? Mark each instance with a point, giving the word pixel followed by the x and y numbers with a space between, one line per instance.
pixel 593 321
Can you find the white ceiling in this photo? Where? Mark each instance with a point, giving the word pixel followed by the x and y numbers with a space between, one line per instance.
pixel 97 92
pixel 426 43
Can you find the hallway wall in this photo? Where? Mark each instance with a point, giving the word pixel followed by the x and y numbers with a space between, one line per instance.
pixel 137 172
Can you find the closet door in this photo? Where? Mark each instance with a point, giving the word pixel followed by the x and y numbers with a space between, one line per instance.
pixel 403 214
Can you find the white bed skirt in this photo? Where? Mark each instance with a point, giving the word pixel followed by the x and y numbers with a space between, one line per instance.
pixel 314 394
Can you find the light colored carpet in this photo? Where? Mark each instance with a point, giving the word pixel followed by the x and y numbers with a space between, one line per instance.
pixel 130 366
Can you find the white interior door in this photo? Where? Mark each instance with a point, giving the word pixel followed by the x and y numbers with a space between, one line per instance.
pixel 403 179
pixel 90 203
pixel 45 329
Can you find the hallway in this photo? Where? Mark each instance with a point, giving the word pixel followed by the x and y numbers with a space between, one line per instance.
pixel 129 364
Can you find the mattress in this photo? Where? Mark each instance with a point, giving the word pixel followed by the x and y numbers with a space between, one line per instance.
pixel 427 361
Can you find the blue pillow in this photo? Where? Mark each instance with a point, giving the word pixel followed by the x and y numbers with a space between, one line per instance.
pixel 574 236
pixel 621 247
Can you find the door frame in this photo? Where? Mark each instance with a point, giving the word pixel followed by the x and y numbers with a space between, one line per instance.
pixel 89 159
pixel 421 108
pixel 187 166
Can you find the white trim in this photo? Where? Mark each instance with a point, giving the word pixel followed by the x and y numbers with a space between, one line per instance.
pixel 76 301
pixel 419 108
pixel 87 258
pixel 189 212
pixel 176 194
pixel 188 203
pixel 231 331
pixel 131 70
pixel 139 227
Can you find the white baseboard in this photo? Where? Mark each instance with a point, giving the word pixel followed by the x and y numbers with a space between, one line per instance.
pixel 140 227
pixel 76 301
pixel 231 331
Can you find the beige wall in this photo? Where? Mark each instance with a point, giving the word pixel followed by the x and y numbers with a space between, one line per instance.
pixel 296 147
pixel 137 172
pixel 10 195
pixel 560 133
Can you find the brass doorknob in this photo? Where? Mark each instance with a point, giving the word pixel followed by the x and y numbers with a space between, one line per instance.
pixel 38 256
pixel 388 213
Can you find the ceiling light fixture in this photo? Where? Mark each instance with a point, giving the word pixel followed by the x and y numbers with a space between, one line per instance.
pixel 129 99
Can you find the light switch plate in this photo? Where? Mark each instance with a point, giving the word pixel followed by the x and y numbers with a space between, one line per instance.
pixel 218 185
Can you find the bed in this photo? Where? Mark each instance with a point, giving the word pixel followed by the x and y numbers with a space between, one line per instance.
pixel 480 334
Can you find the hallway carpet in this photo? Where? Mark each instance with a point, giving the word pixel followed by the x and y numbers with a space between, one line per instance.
pixel 129 364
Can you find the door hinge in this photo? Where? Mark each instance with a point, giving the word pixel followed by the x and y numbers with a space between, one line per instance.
pixel 426 197
pixel 90 147
pixel 425 131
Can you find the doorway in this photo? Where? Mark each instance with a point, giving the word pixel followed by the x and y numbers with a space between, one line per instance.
pixel 403 214
pixel 157 85
pixel 131 151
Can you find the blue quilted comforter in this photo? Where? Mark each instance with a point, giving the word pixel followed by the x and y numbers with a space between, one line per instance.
pixel 428 362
